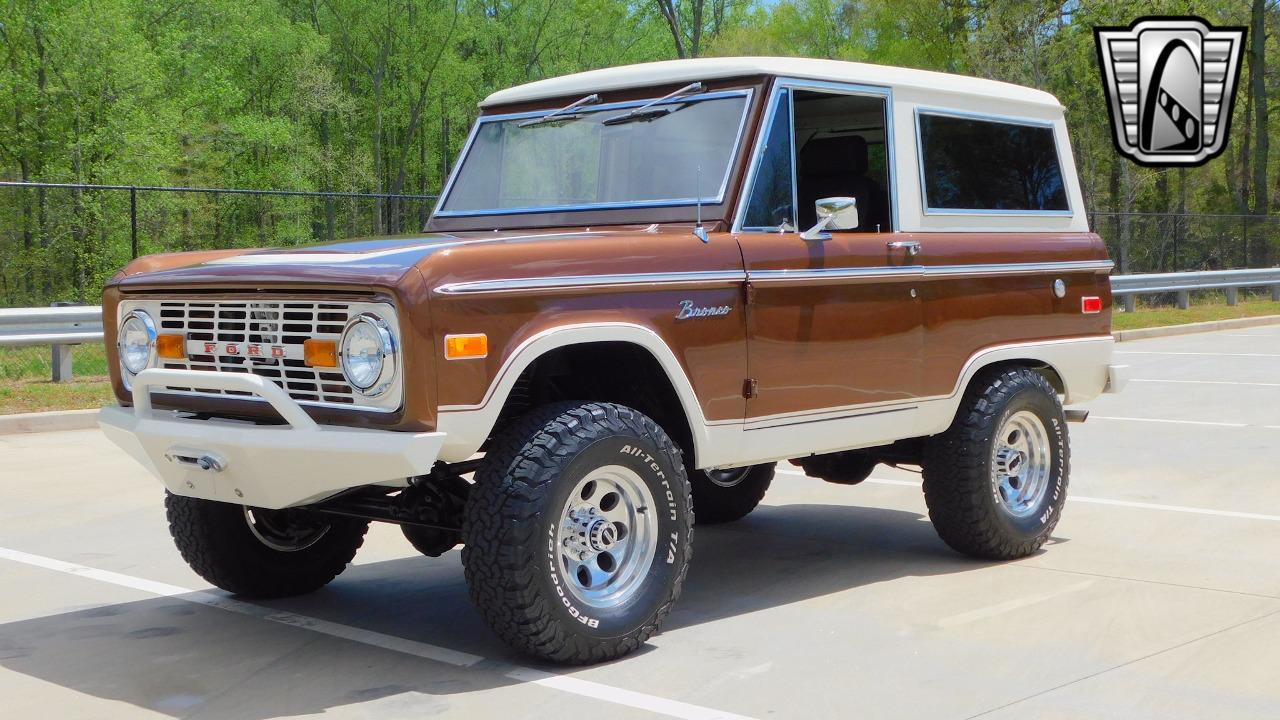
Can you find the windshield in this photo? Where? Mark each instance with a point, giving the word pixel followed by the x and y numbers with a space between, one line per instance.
pixel 582 162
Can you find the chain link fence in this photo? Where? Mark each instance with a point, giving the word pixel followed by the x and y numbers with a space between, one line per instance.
pixel 1172 242
pixel 61 242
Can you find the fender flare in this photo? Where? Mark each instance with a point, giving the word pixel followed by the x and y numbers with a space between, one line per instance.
pixel 1080 362
pixel 467 426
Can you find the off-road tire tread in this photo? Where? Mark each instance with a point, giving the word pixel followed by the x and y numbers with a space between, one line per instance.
pixel 502 551
pixel 201 528
pixel 955 479
pixel 714 504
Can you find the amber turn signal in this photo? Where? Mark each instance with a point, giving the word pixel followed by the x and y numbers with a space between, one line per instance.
pixel 172 347
pixel 320 353
pixel 459 347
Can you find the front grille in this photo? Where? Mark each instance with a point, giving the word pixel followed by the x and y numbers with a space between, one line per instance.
pixel 277 329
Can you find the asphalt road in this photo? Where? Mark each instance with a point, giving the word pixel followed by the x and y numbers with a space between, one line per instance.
pixel 1159 596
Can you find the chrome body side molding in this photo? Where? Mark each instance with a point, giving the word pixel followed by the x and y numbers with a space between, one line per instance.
pixel 587 281
pixel 819 274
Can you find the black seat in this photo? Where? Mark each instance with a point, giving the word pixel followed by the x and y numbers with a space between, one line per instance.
pixel 837 167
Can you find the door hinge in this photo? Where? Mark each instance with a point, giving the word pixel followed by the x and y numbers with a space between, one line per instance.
pixel 748 292
pixel 750 388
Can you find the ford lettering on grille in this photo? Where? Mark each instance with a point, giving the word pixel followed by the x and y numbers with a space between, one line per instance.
pixel 250 350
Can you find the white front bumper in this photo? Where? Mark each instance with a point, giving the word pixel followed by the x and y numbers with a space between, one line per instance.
pixel 269 466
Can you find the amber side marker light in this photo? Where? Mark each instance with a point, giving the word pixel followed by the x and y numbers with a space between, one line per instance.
pixel 171 347
pixel 461 347
pixel 320 353
pixel 1090 305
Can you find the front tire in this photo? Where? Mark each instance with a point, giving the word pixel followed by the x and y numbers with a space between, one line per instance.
pixel 996 480
pixel 262 553
pixel 578 532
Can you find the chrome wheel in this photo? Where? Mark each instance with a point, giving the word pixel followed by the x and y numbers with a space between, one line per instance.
pixel 284 530
pixel 1022 464
pixel 607 536
pixel 728 477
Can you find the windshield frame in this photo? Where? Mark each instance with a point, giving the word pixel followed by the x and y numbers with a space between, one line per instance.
pixel 748 93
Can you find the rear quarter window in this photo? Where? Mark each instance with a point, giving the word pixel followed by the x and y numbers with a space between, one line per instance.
pixel 979 165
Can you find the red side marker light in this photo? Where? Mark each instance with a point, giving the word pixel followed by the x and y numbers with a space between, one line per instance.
pixel 1090 305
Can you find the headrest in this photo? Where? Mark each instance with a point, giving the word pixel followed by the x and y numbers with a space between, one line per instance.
pixel 843 155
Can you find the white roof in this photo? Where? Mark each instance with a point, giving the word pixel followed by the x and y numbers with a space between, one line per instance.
pixel 669 72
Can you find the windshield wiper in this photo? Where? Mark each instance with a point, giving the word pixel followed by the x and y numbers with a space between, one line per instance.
pixel 564 114
pixel 650 111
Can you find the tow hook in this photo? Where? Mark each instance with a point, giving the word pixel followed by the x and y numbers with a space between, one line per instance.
pixel 196 459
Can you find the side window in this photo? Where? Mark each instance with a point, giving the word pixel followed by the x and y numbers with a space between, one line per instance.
pixel 842 151
pixel 971 164
pixel 771 202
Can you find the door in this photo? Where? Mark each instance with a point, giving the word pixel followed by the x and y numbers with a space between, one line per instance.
pixel 834 324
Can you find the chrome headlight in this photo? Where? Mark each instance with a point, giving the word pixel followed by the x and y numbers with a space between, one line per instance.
pixel 368 354
pixel 136 343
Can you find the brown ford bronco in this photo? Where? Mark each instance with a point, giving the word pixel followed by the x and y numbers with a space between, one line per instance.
pixel 641 288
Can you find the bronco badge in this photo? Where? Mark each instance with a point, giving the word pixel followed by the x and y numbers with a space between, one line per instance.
pixel 687 310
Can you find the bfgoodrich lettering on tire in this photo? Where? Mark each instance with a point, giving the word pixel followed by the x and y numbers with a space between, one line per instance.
pixel 996 480
pixel 578 532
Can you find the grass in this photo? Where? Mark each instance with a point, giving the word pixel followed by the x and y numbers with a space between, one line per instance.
pixel 1201 310
pixel 25 385
pixel 35 363
pixel 23 396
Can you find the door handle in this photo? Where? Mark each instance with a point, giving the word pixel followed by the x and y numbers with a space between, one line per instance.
pixel 911 246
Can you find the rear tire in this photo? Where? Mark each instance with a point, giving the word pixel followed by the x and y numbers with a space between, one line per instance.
pixel 578 532
pixel 996 480
pixel 262 553
pixel 721 496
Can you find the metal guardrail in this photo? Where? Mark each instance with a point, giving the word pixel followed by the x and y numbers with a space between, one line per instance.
pixel 1130 287
pixel 60 328
pixel 63 327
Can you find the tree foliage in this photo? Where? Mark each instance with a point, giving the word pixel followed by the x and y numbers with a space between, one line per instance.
pixel 377 96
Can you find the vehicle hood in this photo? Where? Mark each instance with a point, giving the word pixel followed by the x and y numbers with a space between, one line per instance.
pixel 367 261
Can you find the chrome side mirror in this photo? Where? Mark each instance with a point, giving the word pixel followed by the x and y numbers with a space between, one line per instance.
pixel 835 213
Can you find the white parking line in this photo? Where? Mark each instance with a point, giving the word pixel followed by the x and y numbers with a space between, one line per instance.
pixel 1204 382
pixel 1175 508
pixel 1095 501
pixel 571 685
pixel 1173 422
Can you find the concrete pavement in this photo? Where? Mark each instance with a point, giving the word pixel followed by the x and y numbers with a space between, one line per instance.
pixel 1158 597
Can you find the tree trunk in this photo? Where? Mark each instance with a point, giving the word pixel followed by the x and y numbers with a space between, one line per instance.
pixel 1113 189
pixel 1258 83
pixel 671 12
pixel 1126 220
